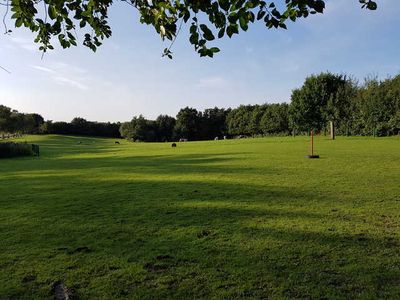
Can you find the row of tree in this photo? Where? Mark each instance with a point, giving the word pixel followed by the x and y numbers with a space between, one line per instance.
pixel 372 108
pixel 325 102
pixel 189 124
pixel 266 119
pixel 80 126
pixel 12 121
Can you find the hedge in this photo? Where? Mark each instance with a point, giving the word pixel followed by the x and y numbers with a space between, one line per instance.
pixel 10 149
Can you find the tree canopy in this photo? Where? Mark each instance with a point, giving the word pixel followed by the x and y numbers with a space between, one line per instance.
pixel 322 98
pixel 207 19
pixel 325 99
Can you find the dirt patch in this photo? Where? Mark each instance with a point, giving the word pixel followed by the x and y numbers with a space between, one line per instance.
pixel 391 242
pixel 28 278
pixel 61 292
pixel 361 237
pixel 81 250
pixel 227 286
pixel 164 257
pixel 203 233
pixel 155 268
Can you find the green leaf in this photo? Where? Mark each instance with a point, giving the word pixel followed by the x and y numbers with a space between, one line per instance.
pixel 372 5
pixel 224 4
pixel 221 33
pixel 194 38
pixel 193 28
pixel 18 22
pixel 260 15
pixel 70 35
pixel 232 29
pixel 319 6
pixel 214 50
pixel 208 35
pixel 52 12
pixel 243 24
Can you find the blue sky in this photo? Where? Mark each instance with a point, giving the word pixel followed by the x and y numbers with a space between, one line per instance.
pixel 127 76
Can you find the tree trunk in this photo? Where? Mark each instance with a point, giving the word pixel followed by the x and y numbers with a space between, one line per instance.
pixel 333 129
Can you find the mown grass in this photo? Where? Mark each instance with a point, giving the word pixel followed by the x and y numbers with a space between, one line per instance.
pixel 223 219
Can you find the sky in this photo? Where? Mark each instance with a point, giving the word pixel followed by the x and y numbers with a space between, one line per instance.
pixel 127 75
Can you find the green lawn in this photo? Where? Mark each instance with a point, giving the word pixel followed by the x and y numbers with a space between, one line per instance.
pixel 223 219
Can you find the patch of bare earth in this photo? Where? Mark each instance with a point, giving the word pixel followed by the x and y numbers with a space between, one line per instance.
pixel 61 292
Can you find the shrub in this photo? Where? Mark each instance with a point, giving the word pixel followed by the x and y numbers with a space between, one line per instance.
pixel 11 149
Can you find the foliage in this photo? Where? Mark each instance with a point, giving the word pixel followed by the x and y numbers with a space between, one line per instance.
pixel 207 19
pixel 322 98
pixel 165 128
pixel 10 149
pixel 226 220
pixel 257 113
pixel 139 129
pixel 372 108
pixel 188 123
pixel 213 123
pixel 80 126
pixel 275 119
pixel 238 120
pixel 251 120
pixel 378 104
pixel 394 123
pixel 11 121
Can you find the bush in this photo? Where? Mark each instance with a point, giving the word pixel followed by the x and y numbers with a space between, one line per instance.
pixel 10 149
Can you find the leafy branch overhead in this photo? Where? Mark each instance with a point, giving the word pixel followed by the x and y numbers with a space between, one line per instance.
pixel 207 19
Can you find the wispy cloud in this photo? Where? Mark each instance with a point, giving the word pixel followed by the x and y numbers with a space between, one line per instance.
pixel 68 68
pixel 213 82
pixel 24 43
pixel 71 82
pixel 44 69
pixel 65 74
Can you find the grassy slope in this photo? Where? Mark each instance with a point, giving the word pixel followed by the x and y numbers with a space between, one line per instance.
pixel 243 218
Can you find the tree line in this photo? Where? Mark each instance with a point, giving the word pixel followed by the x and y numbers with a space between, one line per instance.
pixel 13 122
pixel 80 126
pixel 372 108
pixel 325 102
pixel 189 124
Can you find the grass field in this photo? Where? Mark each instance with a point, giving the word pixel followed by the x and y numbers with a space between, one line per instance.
pixel 223 219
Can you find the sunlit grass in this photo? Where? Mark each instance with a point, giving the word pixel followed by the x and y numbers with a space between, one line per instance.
pixel 225 219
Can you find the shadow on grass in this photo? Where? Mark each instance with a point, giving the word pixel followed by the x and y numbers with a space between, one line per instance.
pixel 190 239
pixel 129 237
pixel 179 164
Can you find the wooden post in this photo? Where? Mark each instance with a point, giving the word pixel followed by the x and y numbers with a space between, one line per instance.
pixel 333 133
pixel 312 142
pixel 312 155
